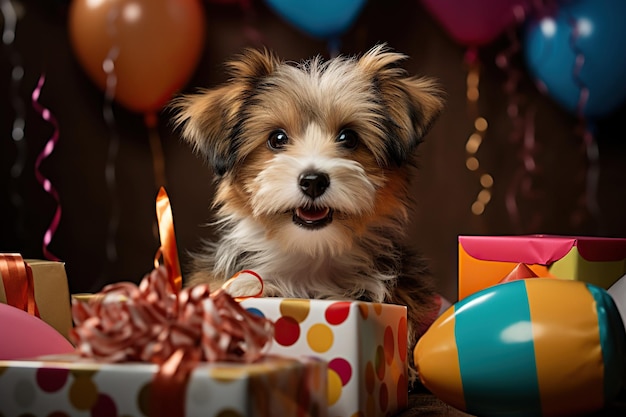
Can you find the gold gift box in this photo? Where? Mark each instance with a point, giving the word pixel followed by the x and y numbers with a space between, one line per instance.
pixel 51 294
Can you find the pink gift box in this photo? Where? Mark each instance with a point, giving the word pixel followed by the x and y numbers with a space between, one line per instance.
pixel 486 260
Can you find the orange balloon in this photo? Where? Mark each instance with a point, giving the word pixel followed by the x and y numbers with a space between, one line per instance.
pixel 158 45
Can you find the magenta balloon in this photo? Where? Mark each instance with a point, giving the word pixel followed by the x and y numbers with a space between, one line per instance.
pixel 24 336
pixel 477 22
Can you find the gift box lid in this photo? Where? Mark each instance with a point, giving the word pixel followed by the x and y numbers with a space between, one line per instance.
pixel 542 249
pixel 223 370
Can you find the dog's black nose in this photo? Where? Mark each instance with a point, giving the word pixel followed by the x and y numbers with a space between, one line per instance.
pixel 314 184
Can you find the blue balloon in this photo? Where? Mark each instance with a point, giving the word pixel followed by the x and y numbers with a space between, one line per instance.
pixel 325 19
pixel 593 30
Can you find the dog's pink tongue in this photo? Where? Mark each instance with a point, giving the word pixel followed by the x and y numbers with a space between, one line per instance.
pixel 312 214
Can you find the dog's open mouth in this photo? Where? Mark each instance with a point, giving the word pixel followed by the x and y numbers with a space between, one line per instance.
pixel 312 217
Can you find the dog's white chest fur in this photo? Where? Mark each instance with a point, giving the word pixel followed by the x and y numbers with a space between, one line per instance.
pixel 289 272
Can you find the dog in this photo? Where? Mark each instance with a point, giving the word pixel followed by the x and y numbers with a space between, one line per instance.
pixel 313 164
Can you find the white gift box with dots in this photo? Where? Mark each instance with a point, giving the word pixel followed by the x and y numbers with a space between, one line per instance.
pixel 365 345
pixel 66 385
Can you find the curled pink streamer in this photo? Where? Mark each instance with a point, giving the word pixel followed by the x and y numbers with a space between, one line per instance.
pixel 522 183
pixel 513 77
pixel 45 153
pixel 523 131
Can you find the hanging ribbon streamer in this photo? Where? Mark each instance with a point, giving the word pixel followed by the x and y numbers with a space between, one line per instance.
pixel 10 17
pixel 108 66
pixel 511 85
pixel 523 131
pixel 588 201
pixel 522 183
pixel 45 153
pixel 475 140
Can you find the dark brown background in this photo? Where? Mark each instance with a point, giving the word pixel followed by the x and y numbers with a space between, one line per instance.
pixel 445 189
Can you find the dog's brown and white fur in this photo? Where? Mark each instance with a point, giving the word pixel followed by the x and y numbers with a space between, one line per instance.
pixel 313 162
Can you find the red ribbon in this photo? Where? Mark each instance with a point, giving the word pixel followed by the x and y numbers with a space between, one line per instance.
pixel 17 278
pixel 237 275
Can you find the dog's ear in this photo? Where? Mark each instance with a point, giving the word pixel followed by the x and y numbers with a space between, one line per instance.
pixel 412 104
pixel 211 119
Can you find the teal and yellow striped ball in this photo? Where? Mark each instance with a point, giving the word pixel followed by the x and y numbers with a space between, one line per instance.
pixel 534 347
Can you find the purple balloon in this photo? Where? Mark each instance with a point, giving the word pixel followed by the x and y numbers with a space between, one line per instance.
pixel 477 22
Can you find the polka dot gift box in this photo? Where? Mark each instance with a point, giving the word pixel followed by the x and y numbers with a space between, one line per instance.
pixel 365 345
pixel 67 386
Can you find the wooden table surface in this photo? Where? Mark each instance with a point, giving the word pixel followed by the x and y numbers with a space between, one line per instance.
pixel 424 404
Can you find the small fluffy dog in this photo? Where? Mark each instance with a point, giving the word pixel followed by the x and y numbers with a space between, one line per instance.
pixel 313 163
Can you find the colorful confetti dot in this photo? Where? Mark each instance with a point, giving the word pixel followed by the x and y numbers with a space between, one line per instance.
pixel 402 392
pixel 389 345
pixel 320 338
pixel 334 387
pixel 343 369
pixel 383 397
pixel 380 362
pixel 338 312
pixel 255 311
pixel 296 309
pixel 363 310
pixel 286 331
pixel 378 308
pixel 402 339
pixel 143 399
pixel 104 407
pixel 51 379
pixel 83 393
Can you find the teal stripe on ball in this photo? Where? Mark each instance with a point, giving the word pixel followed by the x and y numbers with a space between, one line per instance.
pixel 612 341
pixel 496 352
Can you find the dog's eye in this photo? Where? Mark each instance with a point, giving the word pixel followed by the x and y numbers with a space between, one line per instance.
pixel 348 139
pixel 277 140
